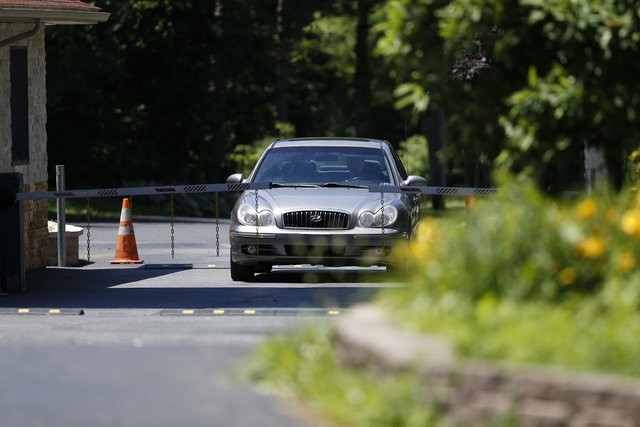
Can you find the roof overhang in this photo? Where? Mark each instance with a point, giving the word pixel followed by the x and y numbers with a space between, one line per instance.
pixel 51 16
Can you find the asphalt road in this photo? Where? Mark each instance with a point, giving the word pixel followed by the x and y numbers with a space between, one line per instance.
pixel 160 343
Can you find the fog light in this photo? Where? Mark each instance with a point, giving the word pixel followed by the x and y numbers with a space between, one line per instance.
pixel 379 251
pixel 251 250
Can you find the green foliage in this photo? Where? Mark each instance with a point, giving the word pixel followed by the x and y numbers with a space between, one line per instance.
pixel 498 277
pixel 415 155
pixel 522 245
pixel 534 111
pixel 243 157
pixel 575 336
pixel 557 76
pixel 304 365
pixel 406 40
pixel 632 165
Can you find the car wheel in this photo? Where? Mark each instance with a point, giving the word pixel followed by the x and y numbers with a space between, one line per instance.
pixel 241 273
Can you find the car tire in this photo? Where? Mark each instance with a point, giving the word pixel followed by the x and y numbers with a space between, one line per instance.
pixel 241 273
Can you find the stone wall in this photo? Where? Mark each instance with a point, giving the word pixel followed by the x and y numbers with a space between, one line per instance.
pixel 35 172
pixel 474 393
pixel 36 233
pixel 483 394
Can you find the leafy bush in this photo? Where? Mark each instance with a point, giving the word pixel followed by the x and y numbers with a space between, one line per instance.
pixel 414 153
pixel 244 156
pixel 530 279
pixel 522 245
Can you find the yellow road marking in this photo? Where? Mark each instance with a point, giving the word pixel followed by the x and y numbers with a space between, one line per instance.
pixel 249 312
pixel 218 311
pixel 23 310
pixel 333 312
pixel 54 311
pixel 188 311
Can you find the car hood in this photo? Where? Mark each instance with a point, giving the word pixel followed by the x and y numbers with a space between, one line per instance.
pixel 334 199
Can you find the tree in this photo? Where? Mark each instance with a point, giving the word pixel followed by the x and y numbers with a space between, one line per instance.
pixel 362 78
pixel 410 42
pixel 554 76
pixel 169 89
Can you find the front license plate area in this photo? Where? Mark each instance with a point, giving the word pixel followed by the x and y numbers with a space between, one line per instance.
pixel 314 251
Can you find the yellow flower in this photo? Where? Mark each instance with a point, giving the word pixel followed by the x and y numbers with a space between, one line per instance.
pixel 420 250
pixel 611 215
pixel 592 247
pixel 567 276
pixel 469 202
pixel 630 222
pixel 627 262
pixel 427 232
pixel 587 209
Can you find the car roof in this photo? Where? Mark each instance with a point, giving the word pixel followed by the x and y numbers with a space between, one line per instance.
pixel 330 142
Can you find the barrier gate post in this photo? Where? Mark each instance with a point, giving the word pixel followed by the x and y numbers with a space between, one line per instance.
pixel 12 269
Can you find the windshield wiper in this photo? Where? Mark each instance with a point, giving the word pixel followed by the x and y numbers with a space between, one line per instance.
pixel 342 185
pixel 280 185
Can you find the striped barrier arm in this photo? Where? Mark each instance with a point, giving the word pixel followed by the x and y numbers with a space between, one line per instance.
pixel 142 191
pixel 434 191
pixel 236 187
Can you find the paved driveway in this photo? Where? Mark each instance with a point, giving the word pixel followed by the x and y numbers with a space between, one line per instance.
pixel 161 343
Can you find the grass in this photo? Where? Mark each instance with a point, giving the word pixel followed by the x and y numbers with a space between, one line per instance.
pixel 303 365
pixel 576 335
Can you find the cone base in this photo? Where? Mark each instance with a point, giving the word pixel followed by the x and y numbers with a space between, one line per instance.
pixel 126 261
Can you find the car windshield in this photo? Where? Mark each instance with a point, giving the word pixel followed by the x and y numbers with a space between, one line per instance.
pixel 349 166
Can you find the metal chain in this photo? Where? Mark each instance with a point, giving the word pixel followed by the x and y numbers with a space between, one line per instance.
pixel 88 229
pixel 384 249
pixel 172 231
pixel 257 224
pixel 217 228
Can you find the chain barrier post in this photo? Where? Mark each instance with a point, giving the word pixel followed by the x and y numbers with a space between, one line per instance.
pixel 384 248
pixel 88 229
pixel 257 225
pixel 172 231
pixel 62 221
pixel 217 227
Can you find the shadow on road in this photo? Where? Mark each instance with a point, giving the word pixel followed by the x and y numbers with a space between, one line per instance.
pixel 122 288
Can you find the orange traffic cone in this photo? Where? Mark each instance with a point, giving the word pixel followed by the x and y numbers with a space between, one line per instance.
pixel 126 249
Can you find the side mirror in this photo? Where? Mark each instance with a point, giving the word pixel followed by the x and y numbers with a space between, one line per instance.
pixel 415 181
pixel 236 178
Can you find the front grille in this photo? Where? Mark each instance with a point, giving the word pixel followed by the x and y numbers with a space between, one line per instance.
pixel 316 219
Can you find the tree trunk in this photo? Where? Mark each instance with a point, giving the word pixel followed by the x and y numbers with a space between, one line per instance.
pixel 362 80
pixel 282 64
pixel 435 140
pixel 217 130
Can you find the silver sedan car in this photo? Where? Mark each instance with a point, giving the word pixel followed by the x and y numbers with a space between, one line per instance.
pixel 317 208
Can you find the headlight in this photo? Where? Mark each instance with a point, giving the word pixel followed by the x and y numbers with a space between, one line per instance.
pixel 247 215
pixel 383 216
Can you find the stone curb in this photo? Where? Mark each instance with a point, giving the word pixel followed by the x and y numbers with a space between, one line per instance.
pixel 477 393
pixel 367 337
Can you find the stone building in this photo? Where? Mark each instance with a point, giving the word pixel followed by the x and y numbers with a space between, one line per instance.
pixel 23 102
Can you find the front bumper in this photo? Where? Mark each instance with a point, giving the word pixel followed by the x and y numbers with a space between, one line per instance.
pixel 275 246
